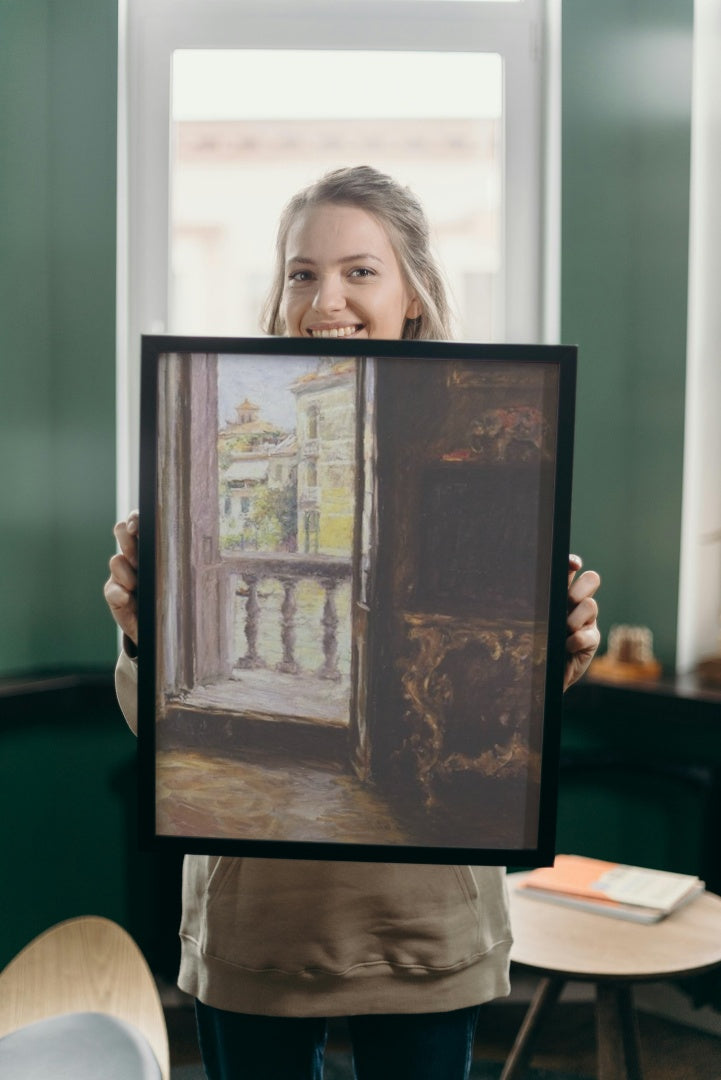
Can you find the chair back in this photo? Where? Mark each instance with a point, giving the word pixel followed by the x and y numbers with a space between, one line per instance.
pixel 87 964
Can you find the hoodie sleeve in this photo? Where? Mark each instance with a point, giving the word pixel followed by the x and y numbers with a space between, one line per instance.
pixel 126 688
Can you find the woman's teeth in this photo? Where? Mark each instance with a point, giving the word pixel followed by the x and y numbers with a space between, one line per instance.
pixel 337 331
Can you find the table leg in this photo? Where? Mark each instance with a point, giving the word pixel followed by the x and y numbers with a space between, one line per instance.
pixel 617 1033
pixel 545 997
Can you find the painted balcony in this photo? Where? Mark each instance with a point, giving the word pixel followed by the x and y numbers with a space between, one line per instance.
pixel 288 639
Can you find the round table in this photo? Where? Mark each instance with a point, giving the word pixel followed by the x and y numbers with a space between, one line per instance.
pixel 562 944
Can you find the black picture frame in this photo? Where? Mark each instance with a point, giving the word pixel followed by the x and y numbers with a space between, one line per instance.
pixel 353 571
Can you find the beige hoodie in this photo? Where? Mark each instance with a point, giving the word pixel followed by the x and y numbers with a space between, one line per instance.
pixel 298 938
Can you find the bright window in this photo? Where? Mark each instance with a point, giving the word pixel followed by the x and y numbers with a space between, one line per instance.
pixel 237 158
pixel 228 107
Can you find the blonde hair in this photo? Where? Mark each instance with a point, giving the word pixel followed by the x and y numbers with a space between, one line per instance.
pixel 403 217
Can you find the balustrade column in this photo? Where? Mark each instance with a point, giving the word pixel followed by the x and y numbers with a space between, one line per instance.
pixel 252 609
pixel 287 629
pixel 329 670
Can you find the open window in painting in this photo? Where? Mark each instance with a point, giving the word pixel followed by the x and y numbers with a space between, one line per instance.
pixel 352 597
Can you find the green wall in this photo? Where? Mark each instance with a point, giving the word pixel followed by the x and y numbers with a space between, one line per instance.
pixel 625 199
pixel 58 72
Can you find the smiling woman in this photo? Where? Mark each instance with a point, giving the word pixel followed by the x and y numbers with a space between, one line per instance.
pixel 353 259
pixel 294 940
pixel 339 294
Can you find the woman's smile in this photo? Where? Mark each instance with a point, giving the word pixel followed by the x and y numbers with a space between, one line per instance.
pixel 335 331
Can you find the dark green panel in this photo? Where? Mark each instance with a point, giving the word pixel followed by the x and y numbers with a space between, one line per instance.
pixel 627 817
pixel 68 784
pixel 626 144
pixel 58 74
pixel 26 476
pixel 641 777
pixel 65 785
pixel 83 75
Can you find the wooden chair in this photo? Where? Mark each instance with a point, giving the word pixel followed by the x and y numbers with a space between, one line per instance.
pixel 77 976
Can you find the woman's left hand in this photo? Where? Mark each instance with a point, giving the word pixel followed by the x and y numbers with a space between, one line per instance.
pixel 583 636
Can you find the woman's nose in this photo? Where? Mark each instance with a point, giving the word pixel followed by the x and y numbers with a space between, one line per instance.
pixel 329 296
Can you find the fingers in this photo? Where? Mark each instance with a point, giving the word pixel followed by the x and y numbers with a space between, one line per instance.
pixel 121 587
pixel 123 572
pixel 575 562
pixel 120 600
pixel 586 640
pixel 582 607
pixel 582 633
pixel 126 533
pixel 581 648
pixel 123 608
pixel 584 613
pixel 584 586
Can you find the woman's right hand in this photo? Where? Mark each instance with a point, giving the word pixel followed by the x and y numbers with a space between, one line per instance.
pixel 121 587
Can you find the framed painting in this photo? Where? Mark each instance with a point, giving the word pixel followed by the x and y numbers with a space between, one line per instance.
pixel 352 597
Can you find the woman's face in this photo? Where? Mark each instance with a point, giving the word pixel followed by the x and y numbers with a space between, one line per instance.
pixel 342 277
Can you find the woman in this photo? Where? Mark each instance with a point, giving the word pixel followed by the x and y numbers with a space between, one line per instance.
pixel 271 948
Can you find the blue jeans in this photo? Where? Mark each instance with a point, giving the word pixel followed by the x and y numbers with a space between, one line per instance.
pixel 415 1046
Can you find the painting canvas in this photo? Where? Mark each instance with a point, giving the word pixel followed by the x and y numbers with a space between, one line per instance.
pixel 352 597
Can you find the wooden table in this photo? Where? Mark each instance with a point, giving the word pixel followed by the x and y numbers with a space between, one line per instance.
pixel 563 944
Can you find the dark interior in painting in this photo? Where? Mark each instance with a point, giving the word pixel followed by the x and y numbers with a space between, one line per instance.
pixel 465 534
pixel 473 555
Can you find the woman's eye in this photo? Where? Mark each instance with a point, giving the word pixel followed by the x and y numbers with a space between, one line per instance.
pixel 300 276
pixel 362 272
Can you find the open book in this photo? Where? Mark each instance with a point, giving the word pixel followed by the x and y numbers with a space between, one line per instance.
pixel 608 888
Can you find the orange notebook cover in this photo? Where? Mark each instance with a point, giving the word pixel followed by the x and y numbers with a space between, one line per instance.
pixel 609 882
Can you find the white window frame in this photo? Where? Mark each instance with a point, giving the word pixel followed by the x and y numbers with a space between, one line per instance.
pixel 526 34
pixel 699 596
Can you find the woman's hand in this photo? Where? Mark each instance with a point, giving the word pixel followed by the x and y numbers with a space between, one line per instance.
pixel 583 636
pixel 121 587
